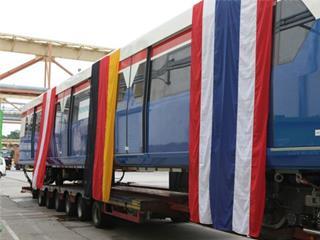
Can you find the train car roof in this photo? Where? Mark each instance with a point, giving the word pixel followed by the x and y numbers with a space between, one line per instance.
pixel 173 26
pixel 164 31
pixel 70 82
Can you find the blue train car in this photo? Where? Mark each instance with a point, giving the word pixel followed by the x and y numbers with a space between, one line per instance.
pixel 294 136
pixel 152 116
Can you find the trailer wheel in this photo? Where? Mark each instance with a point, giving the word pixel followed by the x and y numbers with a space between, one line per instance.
pixel 82 209
pixel 69 206
pixel 182 218
pixel 101 220
pixel 49 200
pixel 97 215
pixel 58 203
pixel 34 194
pixel 41 198
pixel 59 178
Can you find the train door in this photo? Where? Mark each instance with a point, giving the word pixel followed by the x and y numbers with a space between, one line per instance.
pixel 59 142
pixel 168 109
pixel 26 135
pixel 135 102
pixel 121 111
pixel 35 138
pixel 129 123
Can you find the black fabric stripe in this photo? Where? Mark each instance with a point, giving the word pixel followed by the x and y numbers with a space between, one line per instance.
pixel 92 126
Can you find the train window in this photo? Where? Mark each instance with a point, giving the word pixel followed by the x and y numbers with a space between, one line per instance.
pixel 293 23
pixel 38 120
pixel 29 125
pixel 122 88
pixel 23 127
pixel 57 129
pixel 81 106
pixel 26 126
pixel 170 74
pixel 57 126
pixel 138 83
pixel 65 108
pixel 36 133
pixel 83 112
pixel 181 56
pixel 138 90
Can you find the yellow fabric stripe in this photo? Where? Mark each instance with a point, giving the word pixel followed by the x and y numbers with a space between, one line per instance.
pixel 109 132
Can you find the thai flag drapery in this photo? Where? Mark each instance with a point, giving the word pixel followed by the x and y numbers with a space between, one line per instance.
pixel 106 84
pixel 231 55
pixel 46 127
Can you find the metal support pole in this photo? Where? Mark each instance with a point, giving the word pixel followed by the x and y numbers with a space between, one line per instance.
pixel 45 72
pixel 62 67
pixel 49 67
pixel 20 67
pixel 12 104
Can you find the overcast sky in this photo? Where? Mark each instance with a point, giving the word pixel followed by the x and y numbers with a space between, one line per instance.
pixel 96 22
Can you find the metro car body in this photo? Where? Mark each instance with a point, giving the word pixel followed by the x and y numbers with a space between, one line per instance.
pixel 152 116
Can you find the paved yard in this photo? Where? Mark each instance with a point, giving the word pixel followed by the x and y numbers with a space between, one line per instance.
pixel 22 219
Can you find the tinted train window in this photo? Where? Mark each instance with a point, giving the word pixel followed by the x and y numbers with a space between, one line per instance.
pixel 65 108
pixel 293 22
pixel 38 120
pixel 36 133
pixel 81 106
pixel 23 127
pixel 170 74
pixel 57 129
pixel 26 126
pixel 29 125
pixel 122 88
pixel 138 83
pixel 58 118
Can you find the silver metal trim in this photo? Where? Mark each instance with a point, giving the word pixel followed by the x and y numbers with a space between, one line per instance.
pixel 288 149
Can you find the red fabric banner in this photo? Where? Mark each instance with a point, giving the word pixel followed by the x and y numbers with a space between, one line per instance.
pixel 101 127
pixel 46 127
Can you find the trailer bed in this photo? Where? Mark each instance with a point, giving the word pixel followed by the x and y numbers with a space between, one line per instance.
pixel 133 203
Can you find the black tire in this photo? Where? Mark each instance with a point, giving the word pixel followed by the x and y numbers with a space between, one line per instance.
pixel 83 209
pixel 41 198
pixel 182 218
pixel 59 179
pixel 70 207
pixel 99 219
pixel 49 200
pixel 59 204
pixel 34 194
pixel 0 174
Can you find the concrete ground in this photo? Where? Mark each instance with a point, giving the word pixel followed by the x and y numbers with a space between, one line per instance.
pixel 22 219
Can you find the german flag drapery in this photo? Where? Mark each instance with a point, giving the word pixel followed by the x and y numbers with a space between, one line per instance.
pixel 104 84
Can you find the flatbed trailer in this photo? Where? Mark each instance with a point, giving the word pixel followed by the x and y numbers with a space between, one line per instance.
pixel 138 204
pixel 128 202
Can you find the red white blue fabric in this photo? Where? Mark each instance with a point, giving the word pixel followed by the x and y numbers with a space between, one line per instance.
pixel 230 74
pixel 46 127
